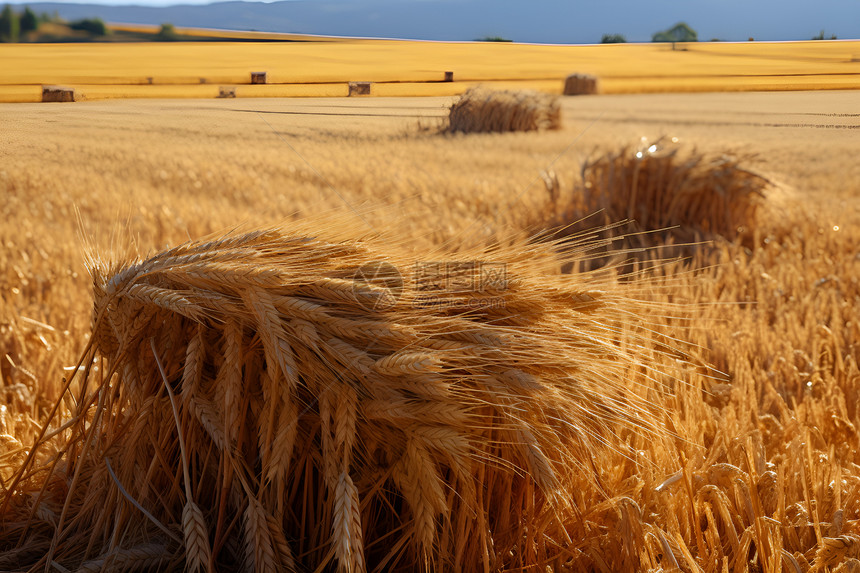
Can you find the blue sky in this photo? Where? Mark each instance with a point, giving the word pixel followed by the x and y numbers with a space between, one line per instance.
pixel 564 21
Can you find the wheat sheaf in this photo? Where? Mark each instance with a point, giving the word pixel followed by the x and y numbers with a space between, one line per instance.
pixel 662 184
pixel 256 402
pixel 485 110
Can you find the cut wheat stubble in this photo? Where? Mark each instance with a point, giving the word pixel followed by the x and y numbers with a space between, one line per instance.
pixel 403 438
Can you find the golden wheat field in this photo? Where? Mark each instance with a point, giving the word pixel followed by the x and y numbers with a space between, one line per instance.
pixel 331 335
pixel 324 66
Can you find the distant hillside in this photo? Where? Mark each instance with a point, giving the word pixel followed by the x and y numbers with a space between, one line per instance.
pixel 552 21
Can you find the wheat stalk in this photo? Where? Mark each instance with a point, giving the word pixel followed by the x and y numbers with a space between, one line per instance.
pixel 197 551
pixel 346 527
pixel 260 550
pixel 141 557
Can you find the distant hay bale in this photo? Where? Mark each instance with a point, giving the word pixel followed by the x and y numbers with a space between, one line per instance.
pixel 258 77
pixel 483 110
pixel 226 92
pixel 274 401
pixel 359 88
pixel 580 84
pixel 57 94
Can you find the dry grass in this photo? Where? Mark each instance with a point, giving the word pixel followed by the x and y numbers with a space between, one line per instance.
pixel 759 471
pixel 482 110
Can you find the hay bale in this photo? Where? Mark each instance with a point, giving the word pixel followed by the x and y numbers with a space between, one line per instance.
pixel 449 77
pixel 359 88
pixel 57 94
pixel 661 186
pixel 255 375
pixel 258 77
pixel 580 84
pixel 483 110
pixel 226 92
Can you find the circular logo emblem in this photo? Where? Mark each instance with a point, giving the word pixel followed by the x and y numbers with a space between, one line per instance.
pixel 377 285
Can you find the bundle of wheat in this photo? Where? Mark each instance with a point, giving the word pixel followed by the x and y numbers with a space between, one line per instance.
pixel 273 401
pixel 660 185
pixel 483 110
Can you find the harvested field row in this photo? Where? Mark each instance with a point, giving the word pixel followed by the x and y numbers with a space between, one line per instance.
pixel 32 94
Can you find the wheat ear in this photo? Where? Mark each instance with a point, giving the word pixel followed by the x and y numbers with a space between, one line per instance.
pixel 197 549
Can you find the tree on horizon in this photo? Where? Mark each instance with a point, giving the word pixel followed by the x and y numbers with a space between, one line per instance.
pixel 680 32
pixel 10 25
pixel 613 39
pixel 29 21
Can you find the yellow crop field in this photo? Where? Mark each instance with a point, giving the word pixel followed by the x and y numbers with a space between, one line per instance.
pixel 406 350
pixel 417 68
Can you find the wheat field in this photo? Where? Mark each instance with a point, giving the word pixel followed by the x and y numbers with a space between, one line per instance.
pixel 607 408
pixel 323 67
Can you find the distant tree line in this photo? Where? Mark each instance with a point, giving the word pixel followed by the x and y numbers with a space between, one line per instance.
pixel 17 25
pixel 823 36
pixel 93 26
pixel 682 32
pixel 167 33
pixel 13 24
pixel 613 39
